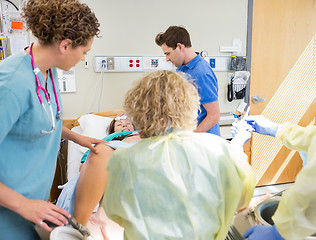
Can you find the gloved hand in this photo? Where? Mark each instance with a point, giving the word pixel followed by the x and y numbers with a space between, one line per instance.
pixel 240 126
pixel 240 138
pixel 303 157
pixel 262 125
pixel 240 132
pixel 260 232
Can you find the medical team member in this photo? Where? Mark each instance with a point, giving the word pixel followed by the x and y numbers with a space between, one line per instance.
pixel 174 183
pixel 295 217
pixel 31 113
pixel 176 45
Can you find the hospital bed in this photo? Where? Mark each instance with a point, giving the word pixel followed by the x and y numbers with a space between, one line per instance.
pixel 93 125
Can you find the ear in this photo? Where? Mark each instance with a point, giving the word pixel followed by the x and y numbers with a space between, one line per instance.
pixel 65 45
pixel 181 46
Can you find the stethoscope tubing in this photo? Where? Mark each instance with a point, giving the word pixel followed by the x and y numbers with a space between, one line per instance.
pixel 39 88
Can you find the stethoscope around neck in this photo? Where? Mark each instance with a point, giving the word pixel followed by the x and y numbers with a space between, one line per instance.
pixel 39 87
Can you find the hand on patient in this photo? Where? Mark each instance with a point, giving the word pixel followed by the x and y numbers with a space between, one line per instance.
pixel 37 211
pixel 260 232
pixel 80 139
pixel 89 142
pixel 262 125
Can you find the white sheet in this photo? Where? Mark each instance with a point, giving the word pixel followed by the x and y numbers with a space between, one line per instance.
pixel 75 153
pixel 74 156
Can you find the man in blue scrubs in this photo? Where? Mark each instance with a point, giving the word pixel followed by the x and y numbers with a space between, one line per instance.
pixel 176 45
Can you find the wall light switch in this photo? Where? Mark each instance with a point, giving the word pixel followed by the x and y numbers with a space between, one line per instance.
pixel 86 63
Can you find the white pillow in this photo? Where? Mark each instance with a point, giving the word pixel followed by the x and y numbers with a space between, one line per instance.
pixel 74 156
pixel 94 126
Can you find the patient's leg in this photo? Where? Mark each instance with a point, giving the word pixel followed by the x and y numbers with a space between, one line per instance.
pixel 91 183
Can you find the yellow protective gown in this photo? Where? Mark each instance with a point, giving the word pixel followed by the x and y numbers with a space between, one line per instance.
pixel 295 217
pixel 182 185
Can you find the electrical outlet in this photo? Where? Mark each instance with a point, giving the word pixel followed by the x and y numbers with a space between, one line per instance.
pixel 118 64
pixel 110 62
pixel 132 63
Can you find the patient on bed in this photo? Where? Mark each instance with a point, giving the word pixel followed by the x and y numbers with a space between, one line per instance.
pixel 120 129
pixel 122 134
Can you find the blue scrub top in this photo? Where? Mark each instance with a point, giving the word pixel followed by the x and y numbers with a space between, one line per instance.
pixel 206 81
pixel 27 157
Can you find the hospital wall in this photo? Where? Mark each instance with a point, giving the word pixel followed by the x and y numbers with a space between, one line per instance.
pixel 129 27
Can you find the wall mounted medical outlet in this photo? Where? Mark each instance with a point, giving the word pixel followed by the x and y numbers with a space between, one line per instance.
pixel 219 63
pixel 239 63
pixel 150 63
pixel 212 62
pixel 131 64
pixel 153 63
pixel 67 80
pixel 118 64
pixel 204 54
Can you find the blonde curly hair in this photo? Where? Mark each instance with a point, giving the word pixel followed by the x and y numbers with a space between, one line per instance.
pixel 162 100
pixel 52 21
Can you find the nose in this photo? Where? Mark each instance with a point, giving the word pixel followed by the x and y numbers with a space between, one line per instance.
pixel 167 59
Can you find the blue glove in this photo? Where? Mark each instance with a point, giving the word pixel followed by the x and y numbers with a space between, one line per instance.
pixel 260 232
pixel 262 125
